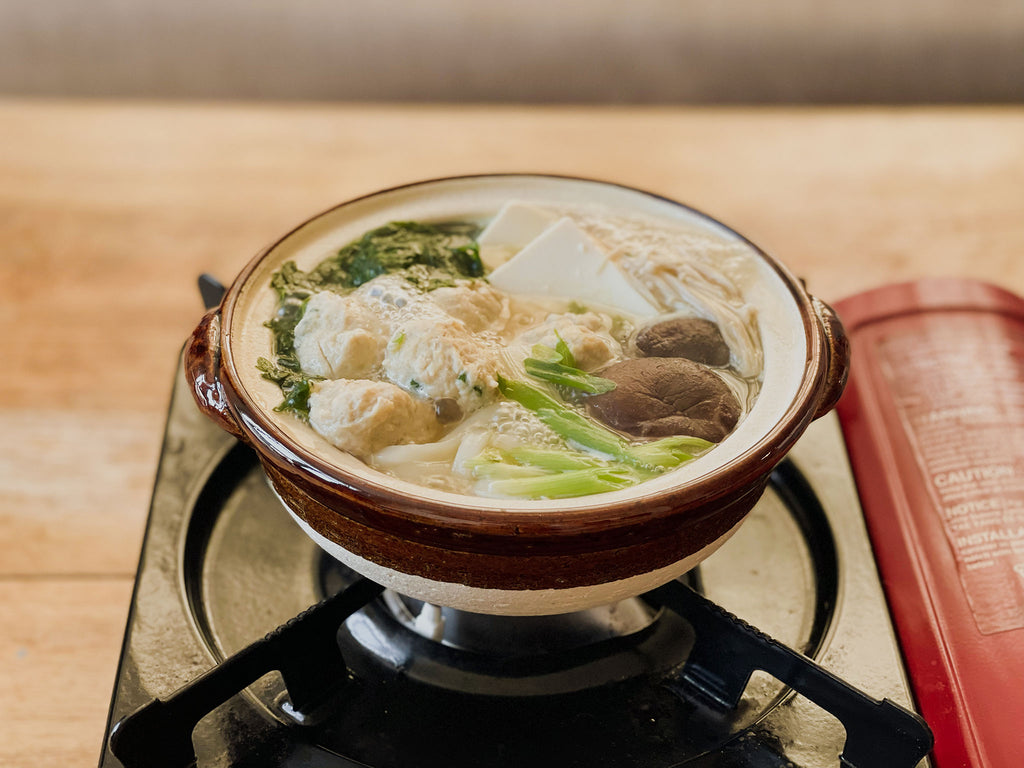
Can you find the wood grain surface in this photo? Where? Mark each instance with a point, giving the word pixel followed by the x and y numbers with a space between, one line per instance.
pixel 109 211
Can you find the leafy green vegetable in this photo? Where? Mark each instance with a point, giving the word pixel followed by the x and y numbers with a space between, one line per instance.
pixel 434 254
pixel 563 485
pixel 563 419
pixel 291 283
pixel 428 255
pixel 296 387
pixel 492 465
pixel 668 451
pixel 283 324
pixel 566 376
pixel 545 353
pixel 553 474
pixel 564 351
pixel 558 366
pixel 573 426
pixel 536 473
pixel 550 459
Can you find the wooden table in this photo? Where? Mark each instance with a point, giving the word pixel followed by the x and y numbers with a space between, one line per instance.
pixel 109 211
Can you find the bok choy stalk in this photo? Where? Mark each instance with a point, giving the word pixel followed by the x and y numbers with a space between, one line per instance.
pixel 564 485
pixel 577 429
pixel 553 474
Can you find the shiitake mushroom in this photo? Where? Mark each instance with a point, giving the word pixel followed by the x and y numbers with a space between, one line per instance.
pixel 447 410
pixel 691 337
pixel 661 396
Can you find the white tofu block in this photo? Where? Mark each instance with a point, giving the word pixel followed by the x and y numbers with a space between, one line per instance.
pixel 515 224
pixel 565 261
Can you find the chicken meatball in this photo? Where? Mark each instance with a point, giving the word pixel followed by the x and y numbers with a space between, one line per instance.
pixel 361 416
pixel 441 358
pixel 475 303
pixel 339 337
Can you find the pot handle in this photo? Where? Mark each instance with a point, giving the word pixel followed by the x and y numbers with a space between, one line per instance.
pixel 837 349
pixel 202 370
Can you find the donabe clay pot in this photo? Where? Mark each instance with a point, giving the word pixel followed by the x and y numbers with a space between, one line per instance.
pixel 514 557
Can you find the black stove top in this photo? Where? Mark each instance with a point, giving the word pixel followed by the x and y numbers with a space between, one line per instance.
pixel 659 680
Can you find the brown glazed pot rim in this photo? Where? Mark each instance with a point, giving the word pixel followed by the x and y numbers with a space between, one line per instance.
pixel 426 517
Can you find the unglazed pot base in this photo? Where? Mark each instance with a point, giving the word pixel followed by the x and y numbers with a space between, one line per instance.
pixel 509 602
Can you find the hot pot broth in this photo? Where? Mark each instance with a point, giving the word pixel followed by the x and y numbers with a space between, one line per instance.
pixel 546 352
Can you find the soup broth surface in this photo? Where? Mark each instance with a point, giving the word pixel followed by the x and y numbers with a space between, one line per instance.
pixel 546 352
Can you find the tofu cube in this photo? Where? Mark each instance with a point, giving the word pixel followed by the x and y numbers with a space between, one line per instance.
pixel 515 225
pixel 565 261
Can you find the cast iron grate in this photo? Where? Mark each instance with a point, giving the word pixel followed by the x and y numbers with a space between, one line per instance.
pixel 726 652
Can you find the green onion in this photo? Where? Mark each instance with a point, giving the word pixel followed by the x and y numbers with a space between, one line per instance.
pixel 558 366
pixel 545 353
pixel 565 376
pixel 563 349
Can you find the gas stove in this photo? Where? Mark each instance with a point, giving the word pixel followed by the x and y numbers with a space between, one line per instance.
pixel 777 651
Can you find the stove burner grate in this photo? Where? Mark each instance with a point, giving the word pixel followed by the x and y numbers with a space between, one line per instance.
pixel 725 652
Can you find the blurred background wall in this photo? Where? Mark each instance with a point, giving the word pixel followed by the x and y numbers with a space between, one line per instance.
pixel 637 51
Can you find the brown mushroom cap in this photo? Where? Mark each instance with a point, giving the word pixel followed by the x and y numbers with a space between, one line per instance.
pixel 691 337
pixel 657 397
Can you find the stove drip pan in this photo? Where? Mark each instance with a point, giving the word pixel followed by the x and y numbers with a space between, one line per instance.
pixel 631 684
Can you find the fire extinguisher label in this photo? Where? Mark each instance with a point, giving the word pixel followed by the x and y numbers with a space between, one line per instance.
pixel 964 419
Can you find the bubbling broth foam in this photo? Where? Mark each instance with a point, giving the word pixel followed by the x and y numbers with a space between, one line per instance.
pixel 548 352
